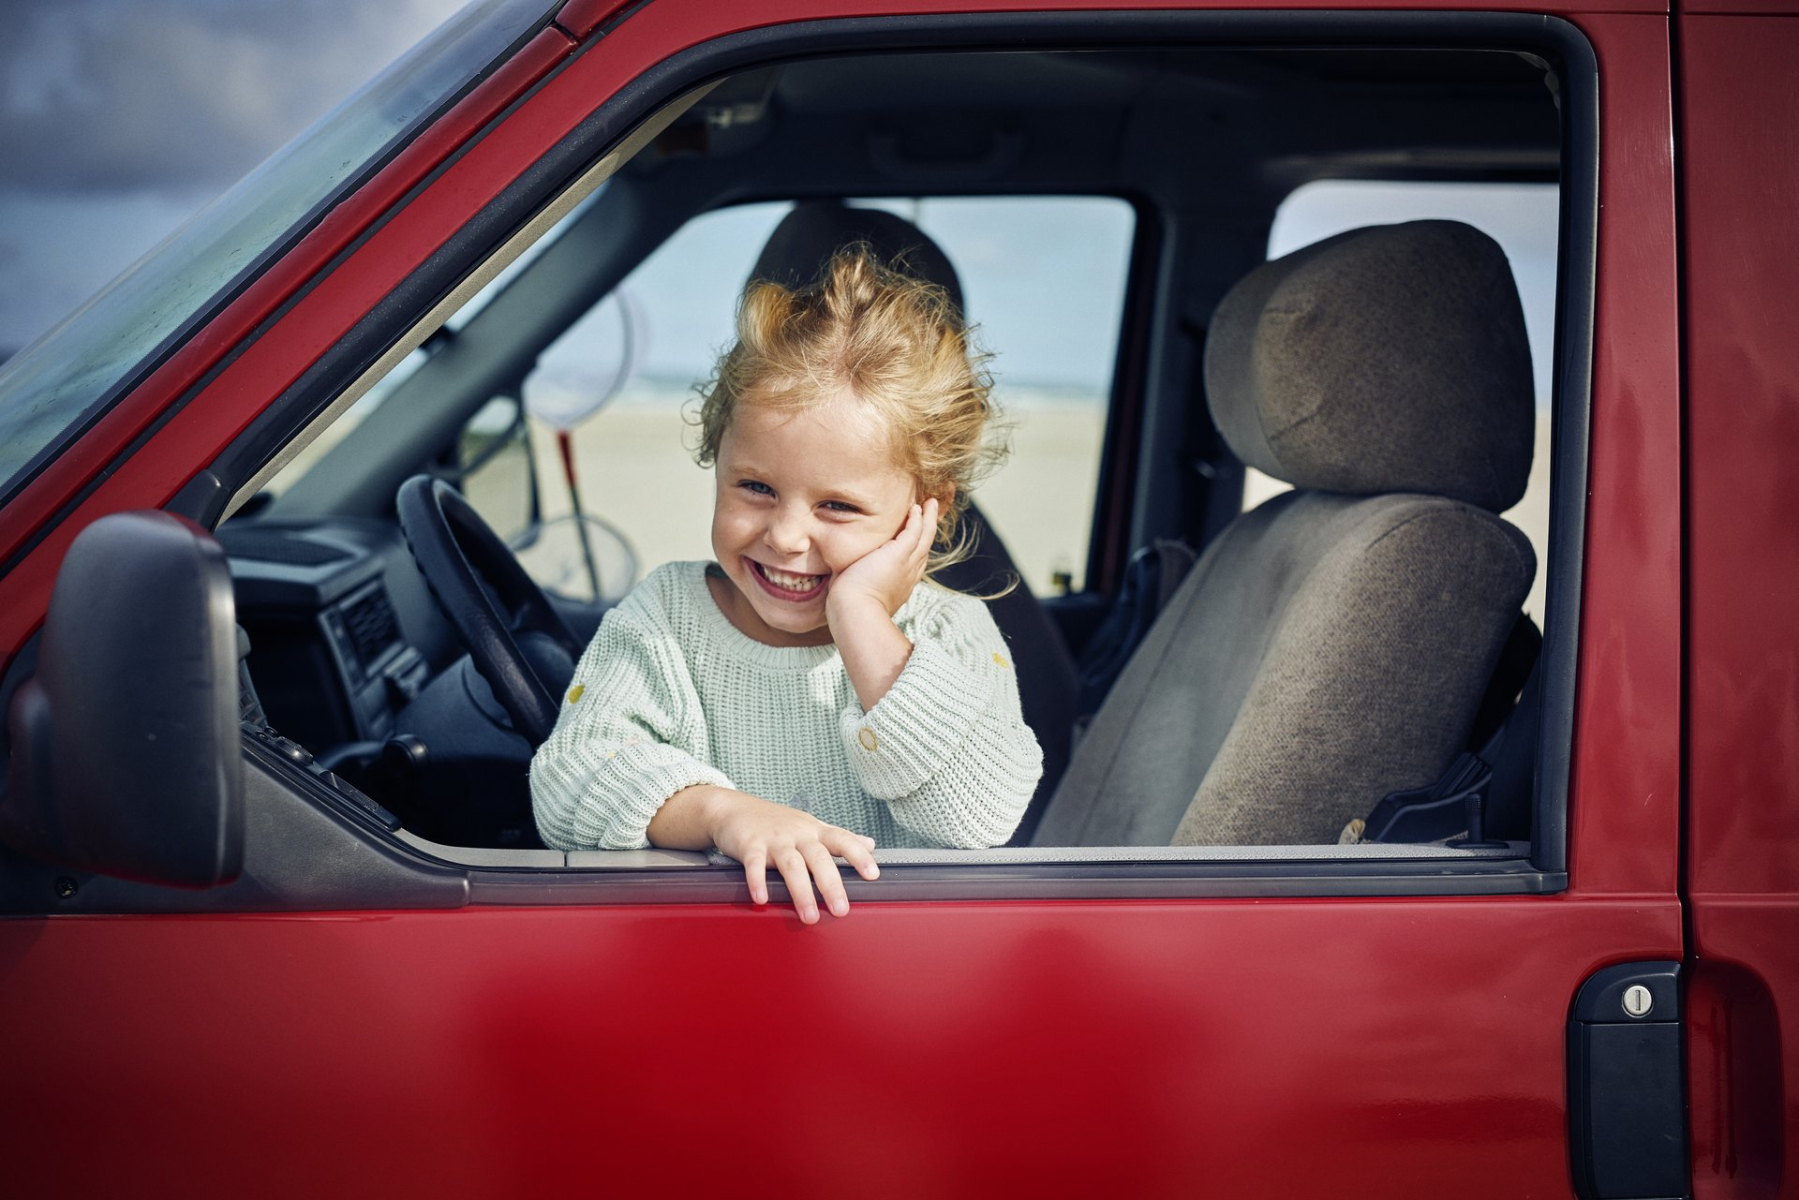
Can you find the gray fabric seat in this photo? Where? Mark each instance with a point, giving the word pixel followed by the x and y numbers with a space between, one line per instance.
pixel 1334 644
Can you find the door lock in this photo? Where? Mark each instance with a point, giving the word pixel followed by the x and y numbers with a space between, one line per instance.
pixel 1626 1094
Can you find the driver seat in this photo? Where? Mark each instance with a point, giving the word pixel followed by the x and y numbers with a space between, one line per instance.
pixel 1334 644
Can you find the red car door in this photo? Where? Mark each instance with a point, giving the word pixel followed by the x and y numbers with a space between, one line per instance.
pixel 1114 1029
pixel 1741 293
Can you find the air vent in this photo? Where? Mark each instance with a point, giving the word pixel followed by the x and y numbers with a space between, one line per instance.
pixel 370 621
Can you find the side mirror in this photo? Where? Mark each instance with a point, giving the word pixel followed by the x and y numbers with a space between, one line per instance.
pixel 125 752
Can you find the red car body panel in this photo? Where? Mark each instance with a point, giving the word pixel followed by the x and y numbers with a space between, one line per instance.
pixel 1235 1048
pixel 1740 128
pixel 1624 798
pixel 1399 1047
pixel 580 18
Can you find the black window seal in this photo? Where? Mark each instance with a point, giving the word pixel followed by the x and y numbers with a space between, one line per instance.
pixel 1061 881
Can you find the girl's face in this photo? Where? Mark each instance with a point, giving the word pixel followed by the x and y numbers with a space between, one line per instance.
pixel 800 497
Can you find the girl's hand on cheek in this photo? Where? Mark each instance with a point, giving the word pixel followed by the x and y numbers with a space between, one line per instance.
pixel 887 574
pixel 759 834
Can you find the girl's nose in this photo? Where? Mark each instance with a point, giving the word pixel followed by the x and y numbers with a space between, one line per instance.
pixel 788 532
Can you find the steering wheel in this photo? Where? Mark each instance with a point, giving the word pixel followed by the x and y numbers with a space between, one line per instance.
pixel 518 642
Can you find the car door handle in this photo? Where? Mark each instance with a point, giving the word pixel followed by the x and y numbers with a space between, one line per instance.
pixel 1626 1094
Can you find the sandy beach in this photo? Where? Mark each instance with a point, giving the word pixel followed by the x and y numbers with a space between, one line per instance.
pixel 636 471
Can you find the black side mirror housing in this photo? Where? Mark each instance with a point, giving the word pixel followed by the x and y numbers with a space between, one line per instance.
pixel 125 745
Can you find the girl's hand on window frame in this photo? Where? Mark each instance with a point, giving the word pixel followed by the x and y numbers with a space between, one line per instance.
pixel 761 834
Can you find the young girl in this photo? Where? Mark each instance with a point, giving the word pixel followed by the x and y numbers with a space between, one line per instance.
pixel 809 694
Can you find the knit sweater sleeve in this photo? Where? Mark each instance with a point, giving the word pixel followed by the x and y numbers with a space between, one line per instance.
pixel 947 746
pixel 629 736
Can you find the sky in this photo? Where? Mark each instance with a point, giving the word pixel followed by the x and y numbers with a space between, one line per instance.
pixel 121 118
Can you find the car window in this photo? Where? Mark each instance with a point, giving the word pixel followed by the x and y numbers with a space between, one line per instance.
pixel 1045 279
pixel 1051 322
pixel 1523 218
pixel 490 435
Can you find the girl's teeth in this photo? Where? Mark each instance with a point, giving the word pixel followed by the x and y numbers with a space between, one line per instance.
pixel 791 582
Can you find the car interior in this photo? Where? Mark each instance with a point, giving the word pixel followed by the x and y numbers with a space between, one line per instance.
pixel 1347 662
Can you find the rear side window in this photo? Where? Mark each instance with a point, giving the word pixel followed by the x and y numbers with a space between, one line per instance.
pixel 1050 321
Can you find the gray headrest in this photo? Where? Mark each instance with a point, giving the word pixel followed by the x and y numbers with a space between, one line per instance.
pixel 1387 359
pixel 815 230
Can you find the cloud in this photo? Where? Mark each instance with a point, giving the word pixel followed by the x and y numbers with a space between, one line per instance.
pixel 115 95
pixel 121 118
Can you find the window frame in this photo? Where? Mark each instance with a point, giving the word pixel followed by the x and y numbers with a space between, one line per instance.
pixel 1276 871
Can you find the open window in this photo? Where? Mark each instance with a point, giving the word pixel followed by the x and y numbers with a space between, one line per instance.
pixel 1143 175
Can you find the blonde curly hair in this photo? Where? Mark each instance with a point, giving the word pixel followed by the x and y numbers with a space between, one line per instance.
pixel 899 346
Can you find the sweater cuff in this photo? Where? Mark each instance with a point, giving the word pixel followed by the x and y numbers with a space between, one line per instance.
pixel 617 796
pixel 930 710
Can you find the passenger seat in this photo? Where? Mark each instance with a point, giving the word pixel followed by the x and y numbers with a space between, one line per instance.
pixel 1334 644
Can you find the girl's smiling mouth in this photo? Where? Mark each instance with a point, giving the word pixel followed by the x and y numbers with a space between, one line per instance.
pixel 787 585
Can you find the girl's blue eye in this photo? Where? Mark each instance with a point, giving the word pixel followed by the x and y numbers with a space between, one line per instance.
pixel 841 506
pixel 756 486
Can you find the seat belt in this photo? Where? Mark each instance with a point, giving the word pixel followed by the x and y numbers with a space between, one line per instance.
pixel 1151 579
pixel 1517 659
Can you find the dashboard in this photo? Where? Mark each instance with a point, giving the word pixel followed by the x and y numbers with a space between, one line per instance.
pixel 343 632
pixel 360 676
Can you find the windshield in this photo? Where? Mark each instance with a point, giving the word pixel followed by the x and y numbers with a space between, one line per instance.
pixel 54 386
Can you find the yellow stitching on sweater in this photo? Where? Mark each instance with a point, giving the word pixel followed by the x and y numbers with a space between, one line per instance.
pixel 866 736
pixel 1000 659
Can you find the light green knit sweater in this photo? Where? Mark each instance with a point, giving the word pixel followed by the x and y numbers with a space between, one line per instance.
pixel 670 694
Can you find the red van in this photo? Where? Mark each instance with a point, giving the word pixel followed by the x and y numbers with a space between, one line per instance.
pixel 276 918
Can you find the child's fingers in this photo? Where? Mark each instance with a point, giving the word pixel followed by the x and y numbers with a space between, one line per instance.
pixel 913 535
pixel 830 883
pixel 909 531
pixel 854 849
pixel 798 878
pixel 755 871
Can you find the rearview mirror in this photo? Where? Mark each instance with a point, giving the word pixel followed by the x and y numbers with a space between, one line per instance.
pixel 125 755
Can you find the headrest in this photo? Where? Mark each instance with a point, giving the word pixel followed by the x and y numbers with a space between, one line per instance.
pixel 1387 359
pixel 807 237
